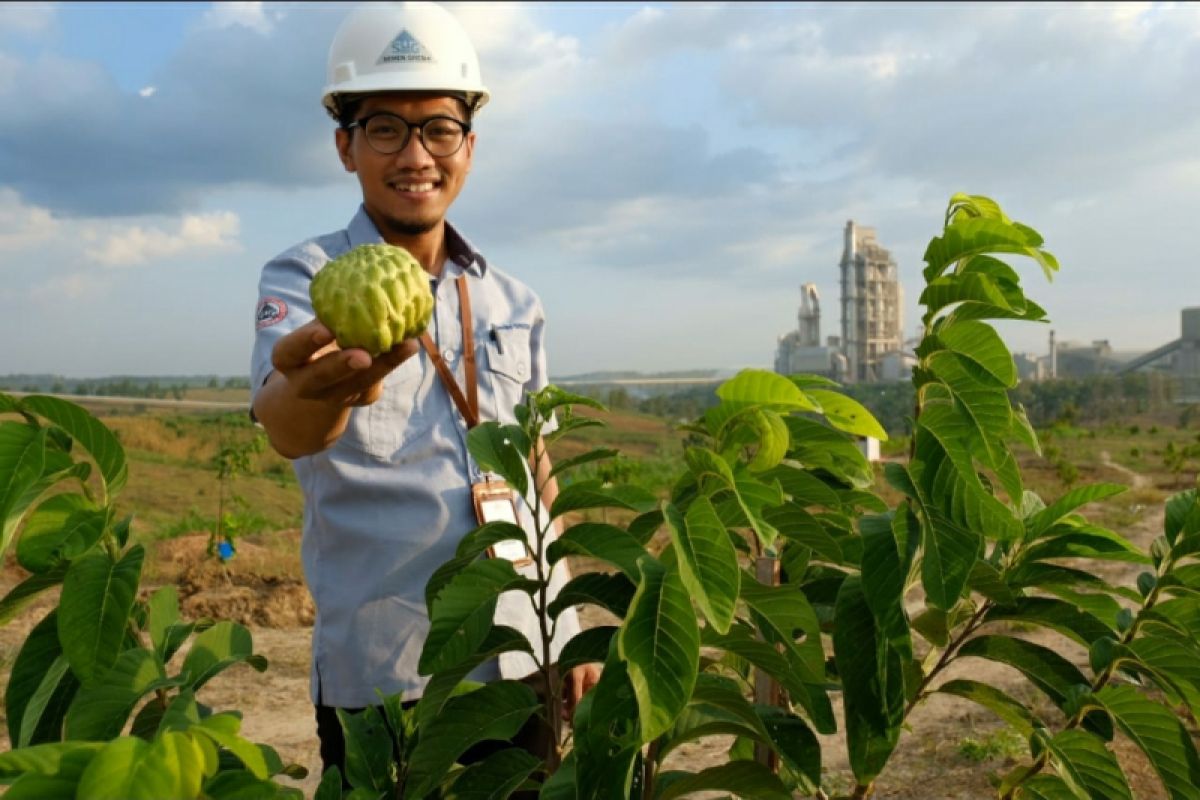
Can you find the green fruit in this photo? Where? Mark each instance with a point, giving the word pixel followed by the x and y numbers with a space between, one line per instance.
pixel 373 297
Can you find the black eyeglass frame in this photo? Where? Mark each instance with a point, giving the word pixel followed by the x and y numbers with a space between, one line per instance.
pixel 419 127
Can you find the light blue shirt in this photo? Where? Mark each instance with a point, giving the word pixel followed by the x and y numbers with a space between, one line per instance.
pixel 387 504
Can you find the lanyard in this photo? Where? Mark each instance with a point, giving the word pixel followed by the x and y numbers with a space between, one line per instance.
pixel 468 406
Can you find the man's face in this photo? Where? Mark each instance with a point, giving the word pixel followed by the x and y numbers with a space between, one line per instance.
pixel 406 193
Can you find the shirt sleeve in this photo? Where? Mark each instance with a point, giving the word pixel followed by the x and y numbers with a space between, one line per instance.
pixel 539 375
pixel 283 306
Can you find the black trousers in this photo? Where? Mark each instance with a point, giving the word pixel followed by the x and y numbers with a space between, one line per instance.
pixel 534 737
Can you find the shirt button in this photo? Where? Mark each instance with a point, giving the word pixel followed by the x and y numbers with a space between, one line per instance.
pixel 448 355
pixel 520 366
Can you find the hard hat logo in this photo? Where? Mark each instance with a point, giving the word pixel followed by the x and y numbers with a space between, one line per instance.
pixel 405 49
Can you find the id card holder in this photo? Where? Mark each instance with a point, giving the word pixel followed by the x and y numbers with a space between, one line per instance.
pixel 495 502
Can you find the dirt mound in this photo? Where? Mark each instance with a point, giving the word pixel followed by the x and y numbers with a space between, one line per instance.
pixel 260 585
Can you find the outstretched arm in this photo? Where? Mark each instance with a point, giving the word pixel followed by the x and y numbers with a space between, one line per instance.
pixel 305 403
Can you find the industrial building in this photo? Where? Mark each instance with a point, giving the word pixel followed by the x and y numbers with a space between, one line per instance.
pixel 1179 358
pixel 871 347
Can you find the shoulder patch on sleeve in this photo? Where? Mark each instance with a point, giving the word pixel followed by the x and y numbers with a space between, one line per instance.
pixel 270 310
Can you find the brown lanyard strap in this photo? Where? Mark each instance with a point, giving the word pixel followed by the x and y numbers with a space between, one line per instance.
pixel 468 406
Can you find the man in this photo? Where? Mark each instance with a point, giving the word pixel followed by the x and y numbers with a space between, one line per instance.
pixel 379 445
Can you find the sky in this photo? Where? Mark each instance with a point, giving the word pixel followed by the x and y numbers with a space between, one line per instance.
pixel 664 176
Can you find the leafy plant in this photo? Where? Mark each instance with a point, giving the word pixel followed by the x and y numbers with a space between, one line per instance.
pixel 100 703
pixel 778 553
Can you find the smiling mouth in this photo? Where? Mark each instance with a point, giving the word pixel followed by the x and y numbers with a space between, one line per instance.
pixel 414 187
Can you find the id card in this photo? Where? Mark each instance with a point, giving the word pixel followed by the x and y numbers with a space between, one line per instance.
pixel 496 502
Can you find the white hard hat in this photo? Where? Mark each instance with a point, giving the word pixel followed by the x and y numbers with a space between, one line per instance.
pixel 387 47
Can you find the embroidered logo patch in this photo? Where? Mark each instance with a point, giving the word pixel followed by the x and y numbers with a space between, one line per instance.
pixel 270 311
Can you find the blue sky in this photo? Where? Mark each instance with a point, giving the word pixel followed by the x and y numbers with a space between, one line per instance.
pixel 665 176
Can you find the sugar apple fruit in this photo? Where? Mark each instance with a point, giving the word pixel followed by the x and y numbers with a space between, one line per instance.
pixel 373 297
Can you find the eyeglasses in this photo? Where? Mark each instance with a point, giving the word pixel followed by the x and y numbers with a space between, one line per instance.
pixel 388 133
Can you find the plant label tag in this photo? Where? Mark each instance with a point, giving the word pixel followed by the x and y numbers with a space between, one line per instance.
pixel 496 502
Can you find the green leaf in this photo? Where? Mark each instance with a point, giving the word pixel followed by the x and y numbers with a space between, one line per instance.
pixel 771 435
pixel 1046 787
pixel 660 643
pixel 1087 542
pixel 1057 615
pixel 981 236
pixel 802 487
pixel 1159 734
pixel 755 387
pixel 163 608
pixel 504 450
pixel 610 592
pixel 101 443
pixel 818 447
pixel 1182 516
pixel 63 782
pixel 27 590
pixel 1085 764
pixel 797 525
pixel 496 711
pixel 242 784
pixel 1045 519
pixel 566 464
pixel 368 749
pixel 43 759
pixel 607 543
pixel 22 459
pixel 744 778
pixel 973 287
pixel 221 646
pixel 782 613
pixel 607 740
pixel 97 597
pixel 847 414
pixel 587 647
pixel 949 556
pixel 494 778
pixel 36 658
pixel 593 494
pixel 445 683
pixel 988 581
pixel 462 613
pixel 708 562
pixel 979 343
pixel 998 702
pixel 131 769
pixel 330 787
pixel 872 683
pixel 888 545
pixel 102 707
pixel 62 527
pixel 223 730
pixel 48 695
pixel 1046 669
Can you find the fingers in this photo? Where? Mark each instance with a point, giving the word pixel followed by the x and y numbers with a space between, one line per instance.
pixel 299 346
pixel 319 370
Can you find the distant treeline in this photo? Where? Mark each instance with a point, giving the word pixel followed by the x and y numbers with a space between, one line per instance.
pixel 1094 399
pixel 155 387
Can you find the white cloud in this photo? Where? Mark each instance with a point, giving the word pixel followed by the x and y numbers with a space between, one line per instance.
pixel 27 19
pixel 22 225
pixel 147 91
pixel 136 244
pixel 252 15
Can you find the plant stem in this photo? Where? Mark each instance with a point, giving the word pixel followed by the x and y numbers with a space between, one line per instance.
pixel 948 654
pixel 552 681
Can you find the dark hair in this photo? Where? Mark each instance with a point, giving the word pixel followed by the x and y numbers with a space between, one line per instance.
pixel 348 106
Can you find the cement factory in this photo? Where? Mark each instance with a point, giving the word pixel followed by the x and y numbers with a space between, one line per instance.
pixel 872 348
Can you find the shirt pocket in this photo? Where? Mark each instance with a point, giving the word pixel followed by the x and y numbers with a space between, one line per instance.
pixel 397 417
pixel 508 370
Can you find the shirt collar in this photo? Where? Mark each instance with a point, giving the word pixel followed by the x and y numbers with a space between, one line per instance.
pixel 459 249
